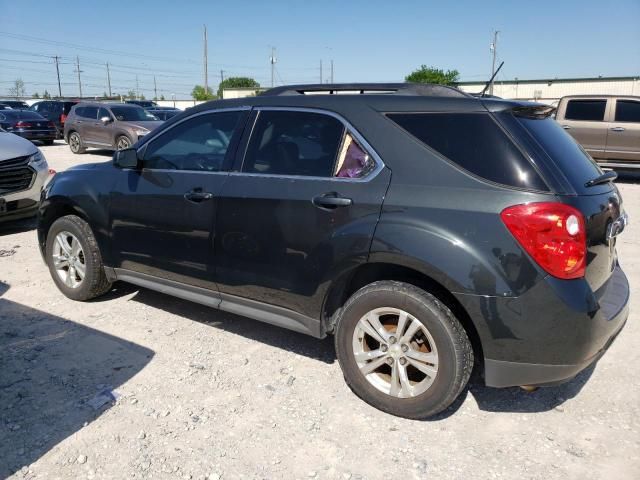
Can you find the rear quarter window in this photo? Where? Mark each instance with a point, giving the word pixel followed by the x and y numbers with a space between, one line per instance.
pixel 475 142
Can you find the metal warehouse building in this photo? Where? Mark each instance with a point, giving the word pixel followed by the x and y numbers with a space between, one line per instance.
pixel 552 89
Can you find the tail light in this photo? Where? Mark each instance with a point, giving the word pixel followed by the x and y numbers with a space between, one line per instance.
pixel 554 234
pixel 63 118
pixel 22 124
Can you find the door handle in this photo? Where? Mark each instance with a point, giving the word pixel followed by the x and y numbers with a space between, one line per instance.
pixel 330 201
pixel 197 195
pixel 566 127
pixel 618 129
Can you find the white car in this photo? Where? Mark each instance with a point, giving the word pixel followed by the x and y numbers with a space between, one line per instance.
pixel 23 173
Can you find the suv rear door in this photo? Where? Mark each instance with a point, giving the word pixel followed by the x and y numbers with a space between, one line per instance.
pixel 623 140
pixel 163 215
pixel 300 208
pixel 584 119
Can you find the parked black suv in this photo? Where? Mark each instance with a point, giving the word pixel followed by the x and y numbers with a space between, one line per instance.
pixel 54 110
pixel 422 226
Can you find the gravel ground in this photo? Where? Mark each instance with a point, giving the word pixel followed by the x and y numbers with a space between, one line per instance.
pixel 204 394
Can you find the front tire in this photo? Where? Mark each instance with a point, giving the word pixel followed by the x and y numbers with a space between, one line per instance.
pixel 122 142
pixel 74 259
pixel 402 350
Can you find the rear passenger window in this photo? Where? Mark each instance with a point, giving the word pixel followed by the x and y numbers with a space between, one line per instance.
pixel 474 142
pixel 294 143
pixel 627 111
pixel 589 110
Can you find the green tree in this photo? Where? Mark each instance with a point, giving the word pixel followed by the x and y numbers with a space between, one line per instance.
pixel 438 76
pixel 162 97
pixel 237 82
pixel 131 94
pixel 46 94
pixel 36 95
pixel 199 93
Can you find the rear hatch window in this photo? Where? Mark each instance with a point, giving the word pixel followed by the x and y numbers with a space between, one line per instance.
pixel 475 142
pixel 565 153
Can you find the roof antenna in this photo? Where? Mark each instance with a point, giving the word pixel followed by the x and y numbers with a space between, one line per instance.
pixel 484 90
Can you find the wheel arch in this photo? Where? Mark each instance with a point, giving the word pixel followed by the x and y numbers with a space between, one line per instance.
pixel 350 282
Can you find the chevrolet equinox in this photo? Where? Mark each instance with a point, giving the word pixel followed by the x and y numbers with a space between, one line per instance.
pixel 426 229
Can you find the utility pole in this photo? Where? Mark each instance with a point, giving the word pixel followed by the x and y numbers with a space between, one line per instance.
pixel 321 71
pixel 206 76
pixel 108 79
pixel 79 71
pixel 494 50
pixel 58 73
pixel 137 89
pixel 331 71
pixel 273 65
pixel 155 89
pixel 221 76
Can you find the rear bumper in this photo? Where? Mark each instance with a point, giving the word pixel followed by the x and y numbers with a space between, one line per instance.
pixel 37 134
pixel 551 333
pixel 500 373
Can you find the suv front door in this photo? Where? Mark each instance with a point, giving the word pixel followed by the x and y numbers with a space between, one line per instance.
pixel 163 215
pixel 287 223
pixel 623 140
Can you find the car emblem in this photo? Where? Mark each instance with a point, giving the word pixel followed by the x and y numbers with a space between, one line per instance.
pixel 615 228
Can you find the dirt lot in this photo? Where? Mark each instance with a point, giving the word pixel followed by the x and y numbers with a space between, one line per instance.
pixel 204 394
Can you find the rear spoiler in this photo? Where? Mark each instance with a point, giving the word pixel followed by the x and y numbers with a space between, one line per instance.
pixel 533 111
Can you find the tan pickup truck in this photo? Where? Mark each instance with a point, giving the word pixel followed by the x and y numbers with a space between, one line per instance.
pixel 607 126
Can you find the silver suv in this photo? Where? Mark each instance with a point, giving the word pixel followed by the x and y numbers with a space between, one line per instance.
pixel 23 172
pixel 608 127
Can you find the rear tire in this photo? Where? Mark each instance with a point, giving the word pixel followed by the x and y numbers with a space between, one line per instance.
pixel 400 385
pixel 74 259
pixel 75 143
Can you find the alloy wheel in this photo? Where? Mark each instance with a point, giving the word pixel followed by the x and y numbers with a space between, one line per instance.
pixel 123 142
pixel 74 142
pixel 68 259
pixel 395 352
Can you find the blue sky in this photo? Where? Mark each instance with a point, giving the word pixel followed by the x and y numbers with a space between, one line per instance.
pixel 368 40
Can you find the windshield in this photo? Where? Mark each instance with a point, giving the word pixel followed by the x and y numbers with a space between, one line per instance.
pixel 132 114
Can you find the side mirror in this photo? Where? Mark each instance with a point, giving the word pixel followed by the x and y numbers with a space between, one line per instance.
pixel 105 120
pixel 127 158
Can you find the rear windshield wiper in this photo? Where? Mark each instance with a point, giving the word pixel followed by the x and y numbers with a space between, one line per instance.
pixel 609 176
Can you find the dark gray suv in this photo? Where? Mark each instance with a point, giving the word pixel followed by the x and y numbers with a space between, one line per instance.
pixel 107 126
pixel 423 227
